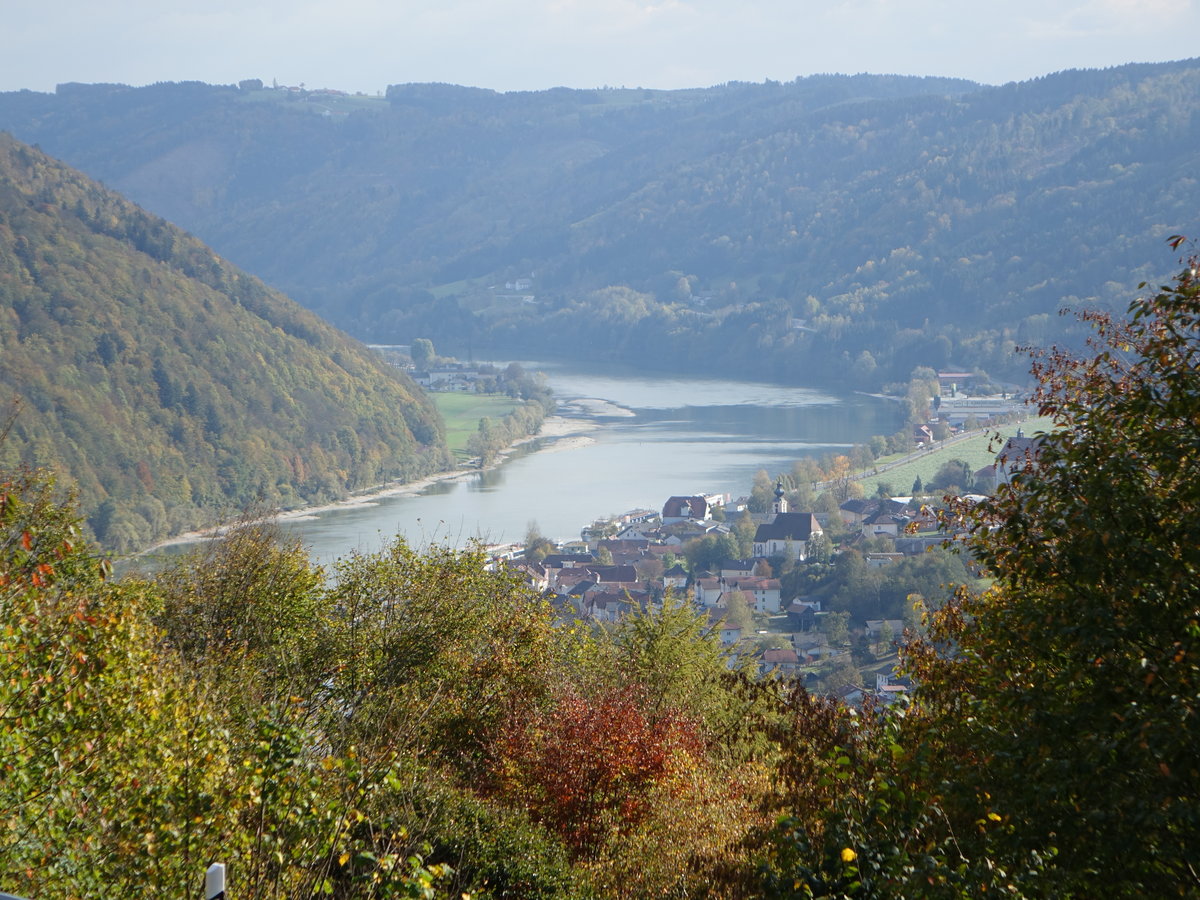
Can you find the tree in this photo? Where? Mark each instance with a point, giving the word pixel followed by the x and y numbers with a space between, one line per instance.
pixel 710 551
pixel 537 545
pixel 431 648
pixel 762 494
pixel 587 766
pixel 251 597
pixel 885 639
pixel 737 612
pixel 836 626
pixel 1071 705
pixel 954 473
pixel 422 353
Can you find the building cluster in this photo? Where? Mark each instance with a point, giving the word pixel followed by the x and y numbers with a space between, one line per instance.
pixel 630 562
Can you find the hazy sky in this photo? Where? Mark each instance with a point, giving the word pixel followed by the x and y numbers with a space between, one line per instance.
pixel 365 45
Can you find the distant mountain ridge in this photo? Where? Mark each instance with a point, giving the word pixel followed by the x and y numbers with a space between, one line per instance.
pixel 837 228
pixel 168 387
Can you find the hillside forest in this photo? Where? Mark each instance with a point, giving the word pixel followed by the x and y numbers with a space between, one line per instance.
pixel 833 229
pixel 413 724
pixel 168 388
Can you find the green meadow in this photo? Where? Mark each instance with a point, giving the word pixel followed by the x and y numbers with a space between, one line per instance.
pixel 462 413
pixel 977 451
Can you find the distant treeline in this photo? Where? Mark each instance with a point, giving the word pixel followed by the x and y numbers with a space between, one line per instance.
pixel 831 229
pixel 493 437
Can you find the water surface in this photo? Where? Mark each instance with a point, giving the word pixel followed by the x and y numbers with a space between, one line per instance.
pixel 659 437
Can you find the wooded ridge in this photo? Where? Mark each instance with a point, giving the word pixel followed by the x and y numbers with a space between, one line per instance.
pixel 833 228
pixel 166 386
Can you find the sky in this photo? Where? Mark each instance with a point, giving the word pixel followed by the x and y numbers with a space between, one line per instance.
pixel 365 45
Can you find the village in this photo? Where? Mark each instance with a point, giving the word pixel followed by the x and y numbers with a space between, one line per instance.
pixel 634 560
pixel 767 605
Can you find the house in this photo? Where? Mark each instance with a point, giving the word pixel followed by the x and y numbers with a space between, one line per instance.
pixel 535 575
pixel 563 580
pixel 730 634
pixel 854 510
pixel 675 578
pixel 688 529
pixel 707 591
pixel 849 694
pixel 877 628
pixel 764 593
pixel 783 660
pixel 788 535
pixel 567 560
pixel 891 524
pixel 1017 453
pixel 685 509
pixel 802 615
pixel 638 531
pixel 738 568
pixel 609 606
pixel 812 647
pixel 889 689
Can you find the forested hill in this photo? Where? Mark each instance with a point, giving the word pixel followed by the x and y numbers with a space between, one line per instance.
pixel 834 227
pixel 166 385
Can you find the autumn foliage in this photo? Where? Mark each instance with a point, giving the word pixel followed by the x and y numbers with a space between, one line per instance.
pixel 588 766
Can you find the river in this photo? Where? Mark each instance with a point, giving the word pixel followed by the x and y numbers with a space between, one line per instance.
pixel 654 436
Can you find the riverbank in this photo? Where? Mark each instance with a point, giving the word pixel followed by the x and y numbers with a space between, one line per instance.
pixel 560 433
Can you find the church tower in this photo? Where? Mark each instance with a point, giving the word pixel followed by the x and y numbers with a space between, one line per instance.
pixel 781 504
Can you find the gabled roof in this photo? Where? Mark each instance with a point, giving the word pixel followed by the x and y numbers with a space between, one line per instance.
pixel 608 574
pixel 781 655
pixel 887 518
pixel 752 583
pixel 685 507
pixel 561 560
pixel 788 527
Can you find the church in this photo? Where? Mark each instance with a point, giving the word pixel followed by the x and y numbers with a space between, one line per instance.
pixel 788 534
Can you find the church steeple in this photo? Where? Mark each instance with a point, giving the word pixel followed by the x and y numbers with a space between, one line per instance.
pixel 781 504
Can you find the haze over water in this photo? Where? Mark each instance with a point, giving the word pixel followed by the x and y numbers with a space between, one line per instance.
pixel 660 436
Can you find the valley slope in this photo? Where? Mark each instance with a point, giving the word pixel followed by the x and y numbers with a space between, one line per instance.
pixel 166 386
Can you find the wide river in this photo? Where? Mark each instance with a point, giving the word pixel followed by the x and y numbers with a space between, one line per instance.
pixel 655 436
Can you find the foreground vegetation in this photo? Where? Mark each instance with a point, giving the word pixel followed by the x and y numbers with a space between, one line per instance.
pixel 409 724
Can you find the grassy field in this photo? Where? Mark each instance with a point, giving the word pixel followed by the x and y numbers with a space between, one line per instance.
pixel 462 413
pixel 974 450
